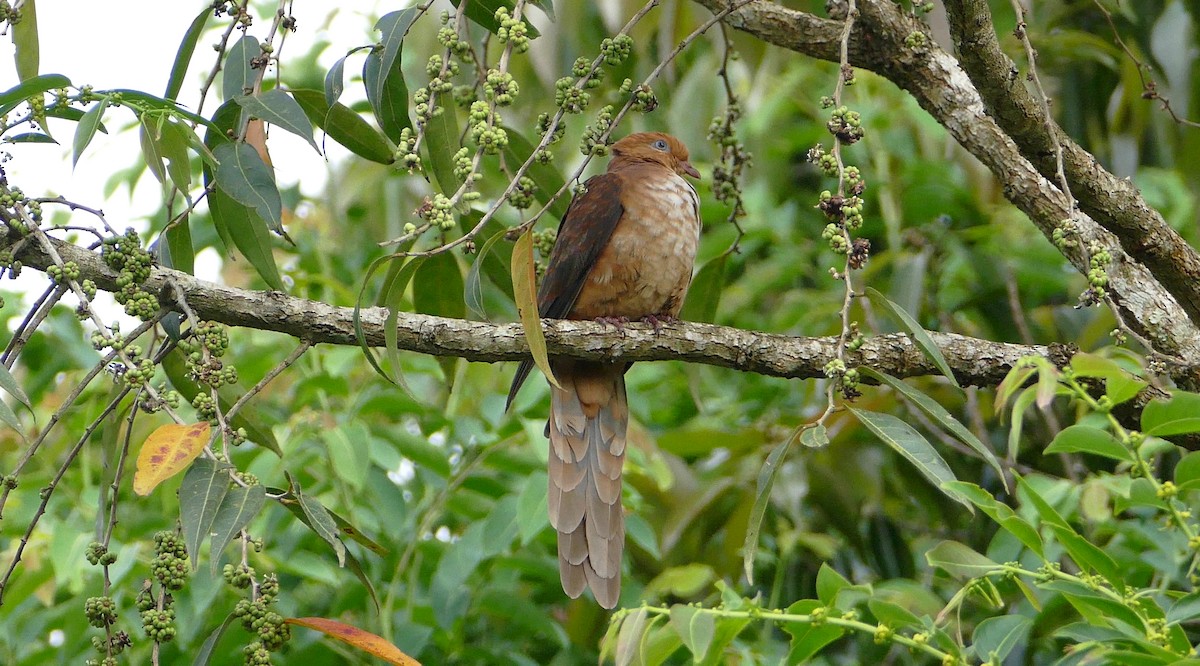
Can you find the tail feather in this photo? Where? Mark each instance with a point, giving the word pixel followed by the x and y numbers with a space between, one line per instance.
pixel 588 420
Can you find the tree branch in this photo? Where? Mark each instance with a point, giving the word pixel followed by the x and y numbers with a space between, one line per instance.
pixel 935 79
pixel 974 361
pixel 1113 202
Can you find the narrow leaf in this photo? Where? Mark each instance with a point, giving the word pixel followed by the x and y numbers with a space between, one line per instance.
pixel 525 294
pixel 204 654
pixel 918 334
pixel 912 445
pixel 9 417
pixel 239 506
pixel 166 452
pixel 238 75
pixel 441 143
pixel 473 286
pixel 704 296
pixel 200 495
pixel 355 637
pixel 346 127
pixel 630 636
pixel 320 521
pixel 762 497
pixel 11 387
pixel 941 416
pixel 148 137
pixel 437 290
pixel 25 41
pixel 279 109
pixel 335 81
pixel 388 94
pixel 959 560
pixel 183 56
pixel 86 129
pixel 483 13
pixel 13 97
pixel 242 175
pixel 1004 516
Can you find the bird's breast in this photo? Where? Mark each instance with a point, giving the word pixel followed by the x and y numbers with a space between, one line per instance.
pixel 647 266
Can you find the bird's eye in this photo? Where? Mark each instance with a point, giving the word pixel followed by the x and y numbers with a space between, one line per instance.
pixel 660 145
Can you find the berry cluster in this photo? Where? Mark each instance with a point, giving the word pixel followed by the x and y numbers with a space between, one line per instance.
pixel 63 274
pixel 485 129
pixel 617 49
pixel 593 142
pixel 569 97
pixel 846 125
pixel 727 172
pixel 258 618
pixel 1097 277
pixel 13 201
pixel 512 30
pixel 204 348
pixel 170 564
pixel 522 195
pixel 8 262
pixel 126 255
pixel 101 612
pixel 437 211
pixel 500 87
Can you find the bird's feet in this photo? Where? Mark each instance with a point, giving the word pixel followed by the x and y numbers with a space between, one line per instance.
pixel 616 322
pixel 656 321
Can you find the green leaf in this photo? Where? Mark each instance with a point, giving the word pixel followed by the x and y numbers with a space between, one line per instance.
pixel 1177 415
pixel 525 291
pixel 183 56
pixel 237 74
pixel 695 627
pixel 9 417
pixel 204 486
pixel 639 532
pixel 173 144
pixel 829 583
pixel 257 431
pixel 1184 609
pixel 807 638
pixel 356 535
pixel 239 506
pixel 437 290
pixel 996 637
pixel 547 178
pixel 148 137
pixel 204 654
pixel 704 296
pixel 11 387
pixel 912 445
pixel 1047 384
pixel 441 143
pixel 1085 554
pixel 424 454
pixel 242 175
pixel 343 442
pixel 1119 385
pixel 1021 404
pixel 633 626
pixel 1086 439
pixel 1012 382
pixel 346 127
pixel 918 334
pixel 762 497
pixel 1004 516
pixel 25 41
pixel 941 416
pixel 1187 470
pixel 815 437
pixel 473 286
pixel 86 129
pixel 278 108
pixel 29 137
pixel 400 272
pixel 319 520
pixel 892 615
pixel 483 13
pixel 335 81
pixel 449 590
pixel 531 507
pixel 959 560
pixel 13 97
pixel 388 94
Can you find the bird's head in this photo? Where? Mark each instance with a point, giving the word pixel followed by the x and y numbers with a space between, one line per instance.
pixel 655 147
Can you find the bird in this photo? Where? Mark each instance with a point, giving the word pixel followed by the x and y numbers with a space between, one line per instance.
pixel 625 251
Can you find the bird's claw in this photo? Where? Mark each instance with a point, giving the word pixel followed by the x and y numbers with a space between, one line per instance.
pixel 616 322
pixel 656 321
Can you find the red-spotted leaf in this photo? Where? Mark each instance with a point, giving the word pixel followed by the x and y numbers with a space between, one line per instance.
pixel 166 452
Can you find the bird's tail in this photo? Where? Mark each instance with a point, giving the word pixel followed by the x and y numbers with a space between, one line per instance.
pixel 588 419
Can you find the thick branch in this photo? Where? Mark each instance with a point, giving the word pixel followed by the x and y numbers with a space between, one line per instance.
pixel 1113 202
pixel 943 89
pixel 975 362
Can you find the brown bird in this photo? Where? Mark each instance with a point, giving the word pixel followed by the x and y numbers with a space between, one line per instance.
pixel 625 251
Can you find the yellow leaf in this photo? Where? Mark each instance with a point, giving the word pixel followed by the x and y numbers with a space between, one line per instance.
pixel 166 452
pixel 363 640
pixel 524 294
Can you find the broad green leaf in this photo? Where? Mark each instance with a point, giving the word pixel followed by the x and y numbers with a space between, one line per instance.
pixel 183 56
pixel 941 416
pixel 25 41
pixel 279 109
pixel 237 74
pixel 335 81
pixel 1095 607
pixel 483 13
pixel 423 453
pixel 437 290
pixel 239 506
pixel 388 94
pixel 815 437
pixel 996 637
pixel 1184 609
pixel 762 496
pixel 364 640
pixel 441 143
pixel 808 639
pixel 959 560
pixel 639 532
pixel 531 507
pixel 525 292
pixel 345 127
pixel 695 628
pixel 1086 439
pixel 1119 385
pixel 242 175
pixel 912 445
pixel 392 27
pixel 173 143
pixel 200 495
pixel 704 296
pixel 13 97
pixel 10 418
pixel 829 583
pixel 319 520
pixel 166 452
pixel 1004 516
pixel 1177 415
pixel 892 615
pixel 630 636
pixel 204 654
pixel 683 581
pixel 1187 470
pixel 343 442
pixel 86 129
pixel 400 273
pixel 918 334
pixel 547 178
pixel 257 430
pixel 11 387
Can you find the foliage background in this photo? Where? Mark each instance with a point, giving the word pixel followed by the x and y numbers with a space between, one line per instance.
pixel 453 487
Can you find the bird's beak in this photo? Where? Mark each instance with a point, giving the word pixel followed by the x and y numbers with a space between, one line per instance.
pixel 689 169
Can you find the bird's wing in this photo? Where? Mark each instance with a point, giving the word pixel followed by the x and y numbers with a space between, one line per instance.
pixel 582 235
